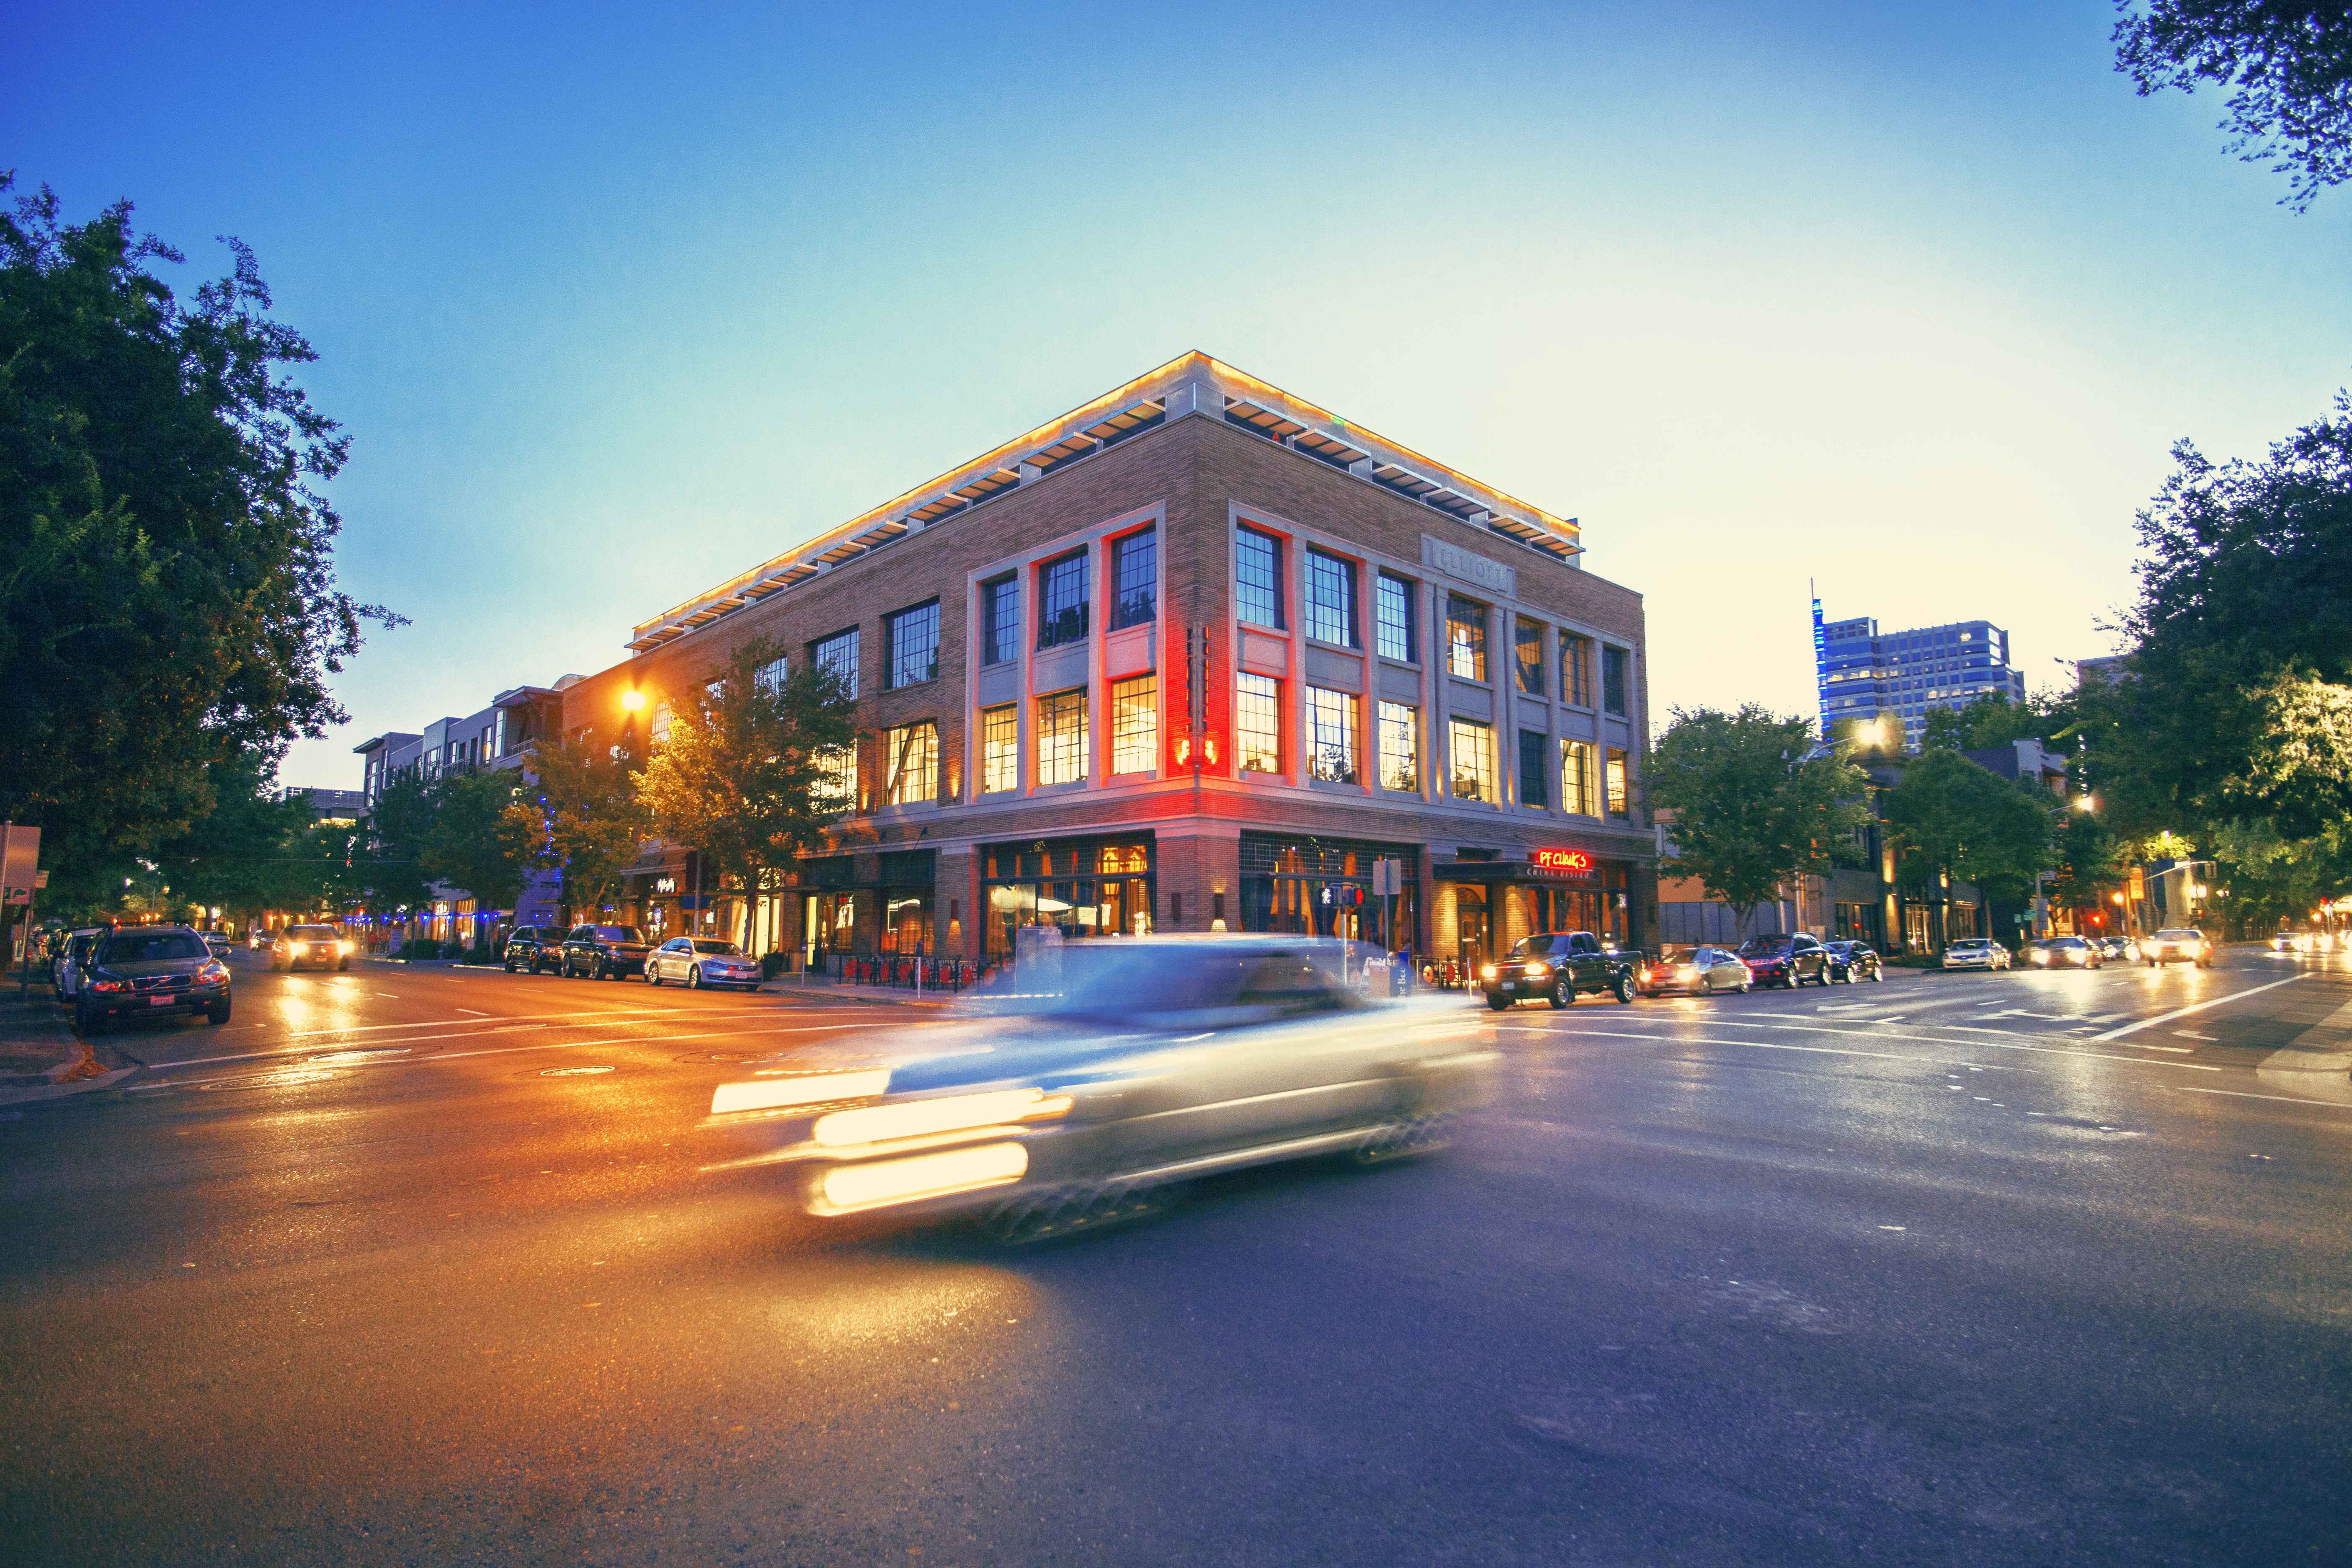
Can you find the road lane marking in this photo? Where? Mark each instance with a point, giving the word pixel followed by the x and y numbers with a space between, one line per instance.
pixel 475 1015
pixel 1770 1046
pixel 471 1033
pixel 2192 1007
pixel 1990 1045
pixel 2241 1094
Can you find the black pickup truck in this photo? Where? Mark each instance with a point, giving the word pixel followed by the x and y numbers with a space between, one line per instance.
pixel 1557 967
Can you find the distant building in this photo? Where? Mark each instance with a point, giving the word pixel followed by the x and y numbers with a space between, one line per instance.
pixel 497 736
pixel 2108 671
pixel 340 806
pixel 1862 672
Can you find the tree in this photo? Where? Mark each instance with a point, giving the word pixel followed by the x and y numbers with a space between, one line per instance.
pixel 2289 62
pixel 473 840
pixel 1992 719
pixel 388 860
pixel 2241 678
pixel 237 854
pixel 167 597
pixel 1952 820
pixel 584 819
pixel 743 772
pixel 1754 807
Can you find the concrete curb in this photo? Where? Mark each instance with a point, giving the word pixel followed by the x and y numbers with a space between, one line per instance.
pixel 61 1090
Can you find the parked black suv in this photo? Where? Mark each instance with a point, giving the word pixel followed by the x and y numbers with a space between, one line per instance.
pixel 149 969
pixel 1777 960
pixel 603 952
pixel 534 948
pixel 1557 967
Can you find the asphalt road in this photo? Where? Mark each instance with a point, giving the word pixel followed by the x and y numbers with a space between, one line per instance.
pixel 423 1266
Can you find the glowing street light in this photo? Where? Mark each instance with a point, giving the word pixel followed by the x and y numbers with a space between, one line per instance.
pixel 633 701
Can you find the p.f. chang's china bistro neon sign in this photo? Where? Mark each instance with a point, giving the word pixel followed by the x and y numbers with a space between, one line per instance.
pixel 1561 862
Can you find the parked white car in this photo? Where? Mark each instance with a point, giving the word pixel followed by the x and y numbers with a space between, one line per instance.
pixel 1976 952
pixel 699 961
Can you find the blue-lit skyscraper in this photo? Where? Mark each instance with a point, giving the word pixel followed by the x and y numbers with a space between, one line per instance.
pixel 1862 672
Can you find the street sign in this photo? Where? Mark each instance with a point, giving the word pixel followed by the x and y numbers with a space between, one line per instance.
pixel 2139 889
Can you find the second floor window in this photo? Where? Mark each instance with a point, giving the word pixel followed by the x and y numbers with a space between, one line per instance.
pixel 838 653
pixel 914 646
pixel 1331 735
pixel 1535 766
pixel 1000 620
pixel 1575 669
pixel 1135 725
pixel 1061 601
pixel 1614 780
pixel 836 785
pixel 1394 611
pixel 1257 578
pixel 771 676
pixel 1528 640
pixel 1062 737
pixel 1331 599
pixel 1000 749
pixel 1400 746
pixel 1258 723
pixel 1472 745
pixel 1613 663
pixel 1135 580
pixel 1465 637
pixel 1575 780
pixel 911 764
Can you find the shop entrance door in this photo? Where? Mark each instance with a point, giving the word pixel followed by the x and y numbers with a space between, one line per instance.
pixel 1470 926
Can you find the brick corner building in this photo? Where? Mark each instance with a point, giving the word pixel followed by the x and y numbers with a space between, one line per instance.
pixel 1193 657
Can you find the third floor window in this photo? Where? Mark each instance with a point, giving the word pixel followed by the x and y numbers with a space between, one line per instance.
pixel 1331 599
pixel 1135 580
pixel 914 646
pixel 1257 578
pixel 1061 601
pixel 1000 620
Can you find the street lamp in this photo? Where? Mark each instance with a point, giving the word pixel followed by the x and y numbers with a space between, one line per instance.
pixel 633 701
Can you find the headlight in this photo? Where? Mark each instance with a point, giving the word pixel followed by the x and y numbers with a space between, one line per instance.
pixel 922 1118
pixel 1487 973
pixel 1684 973
pixel 344 948
pixel 1537 971
pixel 109 985
pixel 2041 958
pixel 212 969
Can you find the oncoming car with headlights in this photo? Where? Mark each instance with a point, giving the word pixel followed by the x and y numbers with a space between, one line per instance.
pixel 1117 1071
pixel 2177 944
pixel 321 946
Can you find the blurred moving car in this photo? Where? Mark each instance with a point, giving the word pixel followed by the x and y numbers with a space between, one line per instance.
pixel 2118 949
pixel 602 953
pixel 256 939
pixel 218 943
pixel 532 948
pixel 1774 959
pixel 1976 952
pixel 1557 967
pixel 701 960
pixel 149 970
pixel 2067 952
pixel 1126 1067
pixel 1695 970
pixel 2178 945
pixel 1851 960
pixel 322 947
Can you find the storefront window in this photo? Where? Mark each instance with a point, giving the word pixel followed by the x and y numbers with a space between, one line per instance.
pixel 907 921
pixel 1312 887
pixel 1085 886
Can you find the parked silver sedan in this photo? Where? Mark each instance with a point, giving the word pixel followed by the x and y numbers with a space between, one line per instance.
pixel 1976 952
pixel 1699 970
pixel 701 961
pixel 1117 1071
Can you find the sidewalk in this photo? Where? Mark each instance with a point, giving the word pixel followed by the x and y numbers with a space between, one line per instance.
pixel 37 1044
pixel 826 989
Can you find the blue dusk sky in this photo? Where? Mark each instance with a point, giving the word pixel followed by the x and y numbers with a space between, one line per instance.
pixel 1907 299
